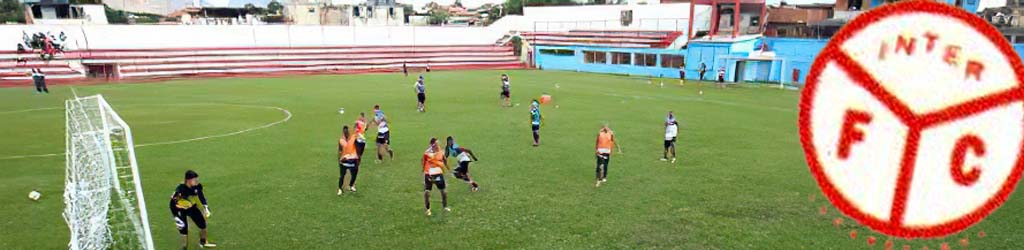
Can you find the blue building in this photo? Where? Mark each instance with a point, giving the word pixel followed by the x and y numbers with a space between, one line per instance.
pixel 744 57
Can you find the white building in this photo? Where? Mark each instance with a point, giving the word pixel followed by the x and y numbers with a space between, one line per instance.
pixel 62 12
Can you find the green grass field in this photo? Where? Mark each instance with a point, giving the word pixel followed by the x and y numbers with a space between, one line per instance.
pixel 741 182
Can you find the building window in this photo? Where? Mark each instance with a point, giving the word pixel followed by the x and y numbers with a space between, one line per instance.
pixel 355 11
pixel 754 21
pixel 671 61
pixel 595 57
pixel 558 52
pixel 621 58
pixel 312 10
pixel 391 12
pixel 646 60
pixel 369 12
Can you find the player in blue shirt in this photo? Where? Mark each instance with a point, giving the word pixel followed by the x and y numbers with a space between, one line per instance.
pixel 464 156
pixel 535 120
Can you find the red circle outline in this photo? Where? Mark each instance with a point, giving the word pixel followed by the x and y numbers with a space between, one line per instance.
pixel 806 97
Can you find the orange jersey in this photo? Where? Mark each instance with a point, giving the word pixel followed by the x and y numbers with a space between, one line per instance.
pixel 348 148
pixel 433 163
pixel 360 129
pixel 605 142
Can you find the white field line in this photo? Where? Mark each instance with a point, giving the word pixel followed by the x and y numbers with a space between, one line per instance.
pixel 288 116
pixel 701 99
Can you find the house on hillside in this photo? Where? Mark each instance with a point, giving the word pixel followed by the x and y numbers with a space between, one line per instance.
pixel 1008 20
pixel 63 12
pixel 793 20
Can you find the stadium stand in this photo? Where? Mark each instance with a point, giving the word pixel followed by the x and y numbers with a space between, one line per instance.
pixel 604 38
pixel 184 62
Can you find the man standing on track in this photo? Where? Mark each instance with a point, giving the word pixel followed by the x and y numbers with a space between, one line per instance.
pixel 703 68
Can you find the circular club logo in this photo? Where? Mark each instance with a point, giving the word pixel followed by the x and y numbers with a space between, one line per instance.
pixel 912 119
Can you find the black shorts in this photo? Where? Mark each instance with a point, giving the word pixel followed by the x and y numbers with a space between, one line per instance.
pixel 195 214
pixel 384 138
pixel 505 94
pixel 463 168
pixel 669 143
pixel 536 128
pixel 348 163
pixel 360 146
pixel 429 181
pixel 421 97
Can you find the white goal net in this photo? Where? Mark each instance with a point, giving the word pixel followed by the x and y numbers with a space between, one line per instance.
pixel 104 207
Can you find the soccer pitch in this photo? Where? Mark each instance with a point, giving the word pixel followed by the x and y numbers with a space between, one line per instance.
pixel 265 149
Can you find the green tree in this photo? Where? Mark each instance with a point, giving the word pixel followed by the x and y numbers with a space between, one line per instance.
pixel 274 7
pixel 11 11
pixel 438 16
pixel 252 9
pixel 115 16
pixel 514 7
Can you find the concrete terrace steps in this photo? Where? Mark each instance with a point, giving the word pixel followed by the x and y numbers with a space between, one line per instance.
pixel 627 39
pixel 171 62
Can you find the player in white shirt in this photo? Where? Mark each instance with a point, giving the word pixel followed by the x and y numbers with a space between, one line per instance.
pixel 506 88
pixel 671 131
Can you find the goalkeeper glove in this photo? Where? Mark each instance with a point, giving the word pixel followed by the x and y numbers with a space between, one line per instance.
pixel 178 222
pixel 207 210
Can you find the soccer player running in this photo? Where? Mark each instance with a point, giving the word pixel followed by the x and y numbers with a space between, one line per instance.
pixel 348 160
pixel 383 134
pixel 506 88
pixel 421 95
pixel 185 203
pixel 465 156
pixel 535 120
pixel 605 142
pixel 360 126
pixel 433 174
pixel 671 130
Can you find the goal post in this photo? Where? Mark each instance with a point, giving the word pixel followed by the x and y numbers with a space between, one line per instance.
pixel 104 204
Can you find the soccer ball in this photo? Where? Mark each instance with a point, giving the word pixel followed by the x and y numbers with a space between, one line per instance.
pixel 34 195
pixel 341 111
pixel 701 92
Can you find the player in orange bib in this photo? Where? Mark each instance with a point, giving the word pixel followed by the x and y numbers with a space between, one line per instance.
pixel 605 142
pixel 360 126
pixel 433 174
pixel 348 160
